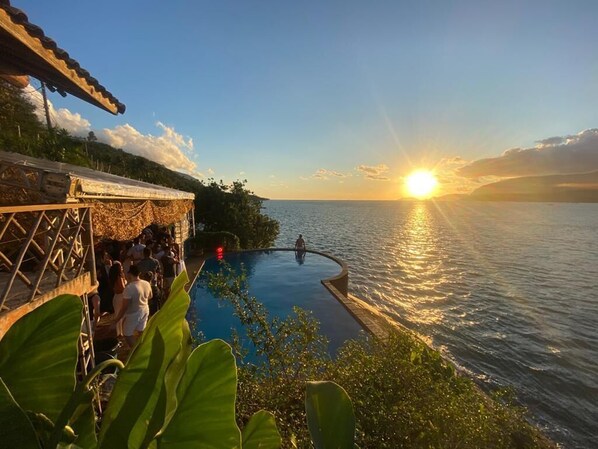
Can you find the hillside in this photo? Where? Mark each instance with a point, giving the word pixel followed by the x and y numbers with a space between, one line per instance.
pixel 573 188
pixel 218 206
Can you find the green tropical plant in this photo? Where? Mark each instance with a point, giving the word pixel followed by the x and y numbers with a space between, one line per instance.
pixel 404 394
pixel 166 396
pixel 330 416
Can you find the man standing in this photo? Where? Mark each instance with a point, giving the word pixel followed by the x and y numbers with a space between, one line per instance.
pixel 148 263
pixel 135 308
pixel 300 243
pixel 105 287
pixel 136 251
pixel 150 270
pixel 169 260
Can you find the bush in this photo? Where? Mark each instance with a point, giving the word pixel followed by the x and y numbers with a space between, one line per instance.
pixel 233 208
pixel 405 395
pixel 209 241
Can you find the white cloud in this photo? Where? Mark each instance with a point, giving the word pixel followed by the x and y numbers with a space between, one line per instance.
pixel 577 153
pixel 375 172
pixel 323 173
pixel 71 121
pixel 168 148
pixel 210 171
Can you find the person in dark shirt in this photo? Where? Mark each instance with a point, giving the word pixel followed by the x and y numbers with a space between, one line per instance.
pixel 105 289
pixel 169 261
pixel 148 263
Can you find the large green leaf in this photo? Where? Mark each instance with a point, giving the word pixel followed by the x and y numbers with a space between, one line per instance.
pixel 167 403
pixel 84 425
pixel 261 432
pixel 38 356
pixel 138 398
pixel 15 428
pixel 205 416
pixel 174 373
pixel 330 417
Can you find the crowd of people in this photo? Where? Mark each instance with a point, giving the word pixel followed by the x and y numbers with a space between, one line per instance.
pixel 134 278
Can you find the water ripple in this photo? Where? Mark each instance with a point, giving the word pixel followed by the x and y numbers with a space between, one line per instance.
pixel 505 290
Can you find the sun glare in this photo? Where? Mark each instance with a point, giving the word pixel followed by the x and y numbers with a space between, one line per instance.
pixel 421 184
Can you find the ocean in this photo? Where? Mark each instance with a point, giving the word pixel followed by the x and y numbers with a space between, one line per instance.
pixel 506 291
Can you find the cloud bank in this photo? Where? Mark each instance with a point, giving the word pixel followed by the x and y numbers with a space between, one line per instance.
pixel 168 148
pixel 556 155
pixel 375 172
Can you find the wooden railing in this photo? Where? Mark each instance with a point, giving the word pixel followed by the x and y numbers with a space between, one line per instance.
pixel 42 248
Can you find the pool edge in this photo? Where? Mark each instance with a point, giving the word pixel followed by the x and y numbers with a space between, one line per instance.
pixel 369 318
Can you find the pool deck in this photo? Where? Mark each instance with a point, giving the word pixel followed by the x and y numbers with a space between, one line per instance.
pixel 194 265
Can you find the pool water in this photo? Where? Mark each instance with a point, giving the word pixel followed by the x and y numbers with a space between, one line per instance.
pixel 280 281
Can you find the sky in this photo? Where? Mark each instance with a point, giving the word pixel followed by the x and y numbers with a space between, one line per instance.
pixel 338 99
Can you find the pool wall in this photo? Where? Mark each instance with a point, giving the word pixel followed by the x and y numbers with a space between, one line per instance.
pixel 371 319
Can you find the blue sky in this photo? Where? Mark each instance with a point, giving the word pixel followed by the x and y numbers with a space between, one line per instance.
pixel 283 91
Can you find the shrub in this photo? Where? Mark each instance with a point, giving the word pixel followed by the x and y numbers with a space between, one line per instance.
pixel 404 394
pixel 209 241
pixel 233 208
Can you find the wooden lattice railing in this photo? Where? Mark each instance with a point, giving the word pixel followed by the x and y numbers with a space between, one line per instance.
pixel 43 247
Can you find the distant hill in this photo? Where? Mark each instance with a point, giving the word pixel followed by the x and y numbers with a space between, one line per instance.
pixel 572 188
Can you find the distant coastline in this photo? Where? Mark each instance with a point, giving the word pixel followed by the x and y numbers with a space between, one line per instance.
pixel 571 188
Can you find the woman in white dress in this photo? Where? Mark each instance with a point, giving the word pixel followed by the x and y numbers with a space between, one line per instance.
pixel 117 278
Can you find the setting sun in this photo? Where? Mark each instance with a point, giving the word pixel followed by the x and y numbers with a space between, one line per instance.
pixel 421 183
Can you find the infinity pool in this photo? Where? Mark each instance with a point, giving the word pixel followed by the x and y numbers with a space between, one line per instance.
pixel 279 280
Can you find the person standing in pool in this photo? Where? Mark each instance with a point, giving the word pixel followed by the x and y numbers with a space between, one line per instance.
pixel 300 243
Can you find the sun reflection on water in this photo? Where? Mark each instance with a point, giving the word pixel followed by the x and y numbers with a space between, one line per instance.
pixel 421 261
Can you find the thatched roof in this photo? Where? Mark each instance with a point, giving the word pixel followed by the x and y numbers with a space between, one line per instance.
pixel 122 206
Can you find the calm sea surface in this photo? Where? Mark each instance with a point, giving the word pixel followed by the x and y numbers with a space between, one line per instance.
pixel 507 291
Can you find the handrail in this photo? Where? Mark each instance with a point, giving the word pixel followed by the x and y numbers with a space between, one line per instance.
pixel 42 248
pixel 38 207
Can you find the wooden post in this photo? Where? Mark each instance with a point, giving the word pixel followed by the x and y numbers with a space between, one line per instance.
pixel 45 97
pixel 87 239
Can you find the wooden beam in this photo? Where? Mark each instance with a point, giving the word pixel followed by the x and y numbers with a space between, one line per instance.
pixel 19 33
pixel 20 81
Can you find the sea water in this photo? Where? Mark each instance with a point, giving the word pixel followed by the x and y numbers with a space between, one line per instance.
pixel 507 291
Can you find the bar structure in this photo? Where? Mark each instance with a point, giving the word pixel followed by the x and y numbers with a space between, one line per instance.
pixel 52 215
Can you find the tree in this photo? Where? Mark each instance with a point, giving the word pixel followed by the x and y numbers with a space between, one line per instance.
pixel 233 208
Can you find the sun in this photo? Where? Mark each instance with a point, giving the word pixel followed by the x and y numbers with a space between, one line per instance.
pixel 421 184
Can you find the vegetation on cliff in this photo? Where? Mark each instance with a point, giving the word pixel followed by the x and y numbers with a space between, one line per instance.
pixel 405 395
pixel 218 206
